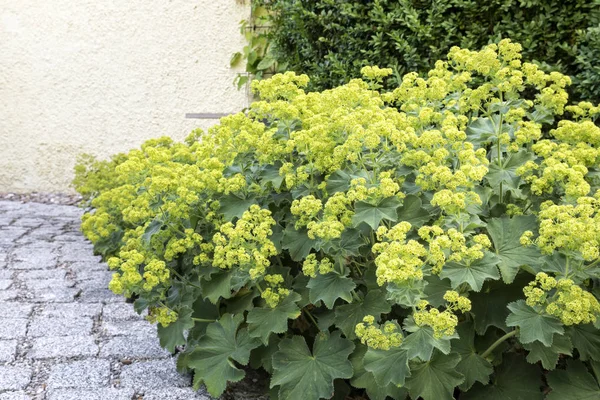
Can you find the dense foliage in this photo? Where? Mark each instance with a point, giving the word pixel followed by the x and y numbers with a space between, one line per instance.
pixel 438 240
pixel 331 40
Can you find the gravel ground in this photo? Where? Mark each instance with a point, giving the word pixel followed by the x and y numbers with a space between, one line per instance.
pixel 63 334
pixel 44 198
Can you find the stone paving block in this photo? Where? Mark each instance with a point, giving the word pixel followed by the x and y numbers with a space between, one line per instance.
pixel 5 283
pixel 39 284
pixel 155 374
pixel 6 274
pixel 133 347
pixel 80 374
pixel 72 310
pixel 55 295
pixel 63 346
pixel 49 326
pixel 41 274
pixel 13 294
pixel 28 266
pixel 15 310
pixel 99 295
pixel 90 266
pixel 28 222
pixel 96 394
pixel 8 350
pixel 20 395
pixel 94 283
pixel 77 252
pixel 127 328
pixel 34 255
pixel 13 328
pixel 14 377
pixel 120 312
pixel 177 394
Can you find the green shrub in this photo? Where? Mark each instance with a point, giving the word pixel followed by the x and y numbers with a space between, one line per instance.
pixel 437 240
pixel 331 40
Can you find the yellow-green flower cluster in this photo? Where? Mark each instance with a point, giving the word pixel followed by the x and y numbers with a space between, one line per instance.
pixel 163 315
pixel 375 336
pixel 246 244
pixel 570 228
pixel 563 299
pixel 398 260
pixel 274 293
pixel 444 322
pixel 311 266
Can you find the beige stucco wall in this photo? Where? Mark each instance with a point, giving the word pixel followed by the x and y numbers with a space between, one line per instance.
pixel 100 76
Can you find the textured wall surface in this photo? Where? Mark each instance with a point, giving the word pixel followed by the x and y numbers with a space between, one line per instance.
pixel 100 76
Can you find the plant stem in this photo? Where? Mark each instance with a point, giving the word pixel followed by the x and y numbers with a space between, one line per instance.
pixel 314 321
pixel 498 342
pixel 203 320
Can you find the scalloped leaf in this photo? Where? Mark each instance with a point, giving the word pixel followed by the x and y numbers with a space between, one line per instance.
pixel 435 379
pixel 302 374
pixel 213 359
pixel 263 321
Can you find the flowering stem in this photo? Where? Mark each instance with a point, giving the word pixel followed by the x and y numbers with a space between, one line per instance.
pixel 203 320
pixel 498 342
pixel 310 316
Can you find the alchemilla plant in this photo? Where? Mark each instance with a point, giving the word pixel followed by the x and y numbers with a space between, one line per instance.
pixel 436 241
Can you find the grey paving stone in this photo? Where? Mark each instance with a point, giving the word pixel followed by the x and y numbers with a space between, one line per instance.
pixel 99 295
pixel 8 350
pixel 12 294
pixel 94 283
pixel 39 284
pixel 79 267
pixel 28 266
pixel 72 310
pixel 13 328
pixel 20 395
pixel 80 374
pixel 34 254
pixel 176 394
pixel 14 377
pixel 95 394
pixel 63 346
pixel 155 374
pixel 55 295
pixel 51 326
pixel 77 252
pixel 15 310
pixel 41 274
pixel 127 328
pixel 120 312
pixel 132 347
pixel 28 222
pixel 6 274
pixel 5 283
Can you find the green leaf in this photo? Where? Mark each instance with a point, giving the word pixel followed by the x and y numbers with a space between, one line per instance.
pixel 482 130
pixel 266 320
pixel 366 380
pixel 213 359
pixel 172 335
pixel 348 315
pixel 408 294
pixel 514 380
pixel 329 288
pixel 153 228
pixel 574 383
pixel 372 215
pixel 548 356
pixel 586 339
pixel 473 274
pixel 533 326
pixel 413 212
pixel 435 289
pixel 435 379
pixel 421 342
pixel 339 181
pixel 506 173
pixel 302 374
pixel 506 233
pixel 218 286
pixel 297 243
pixel 388 366
pixel 474 367
pixel 489 305
pixel 265 63
pixel 234 207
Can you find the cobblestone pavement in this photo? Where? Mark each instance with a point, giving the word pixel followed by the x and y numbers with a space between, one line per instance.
pixel 63 335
